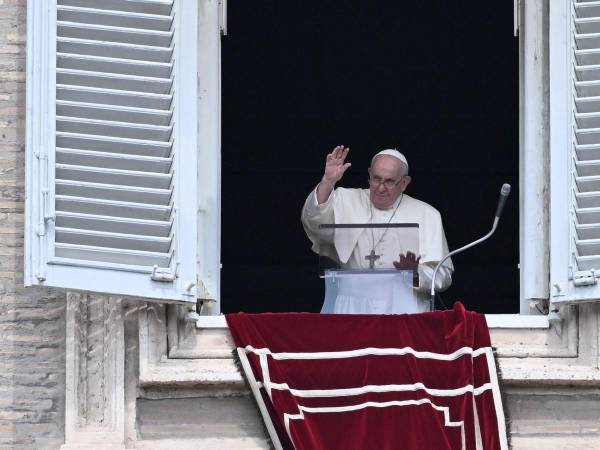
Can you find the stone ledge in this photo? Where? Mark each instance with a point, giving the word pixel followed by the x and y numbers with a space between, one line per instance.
pixel 208 444
pixel 518 371
pixel 195 372
pixel 571 442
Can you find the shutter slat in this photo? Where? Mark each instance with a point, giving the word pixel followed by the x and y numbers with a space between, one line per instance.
pixel 588 262
pixel 112 160
pixel 163 7
pixel 102 64
pixel 115 34
pixel 588 231
pixel 588 104
pixel 588 200
pixel 94 238
pixel 113 144
pixel 587 9
pixel 586 152
pixel 88 94
pixel 588 72
pixel 114 81
pixel 588 120
pixel 115 113
pixel 588 247
pixel 588 215
pixel 588 136
pixel 587 57
pixel 587 168
pixel 107 255
pixel 126 19
pixel 587 25
pixel 112 208
pixel 114 49
pixel 588 88
pixel 113 224
pixel 588 41
pixel 588 184
pixel 113 192
pixel 113 176
pixel 114 129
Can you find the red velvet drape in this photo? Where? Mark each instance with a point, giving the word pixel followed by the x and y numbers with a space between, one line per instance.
pixel 421 381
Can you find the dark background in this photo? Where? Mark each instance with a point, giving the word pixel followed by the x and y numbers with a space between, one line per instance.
pixel 437 80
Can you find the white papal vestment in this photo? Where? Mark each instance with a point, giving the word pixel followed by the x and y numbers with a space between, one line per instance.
pixel 350 249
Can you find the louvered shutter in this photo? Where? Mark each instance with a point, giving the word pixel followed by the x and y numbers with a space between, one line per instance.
pixel 112 182
pixel 575 150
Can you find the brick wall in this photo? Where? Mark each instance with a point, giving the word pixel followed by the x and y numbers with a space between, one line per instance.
pixel 32 327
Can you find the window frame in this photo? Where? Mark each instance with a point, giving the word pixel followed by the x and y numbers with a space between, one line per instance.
pixel 211 24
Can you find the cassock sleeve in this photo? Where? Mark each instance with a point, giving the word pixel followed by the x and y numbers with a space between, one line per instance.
pixel 434 248
pixel 314 214
pixel 443 278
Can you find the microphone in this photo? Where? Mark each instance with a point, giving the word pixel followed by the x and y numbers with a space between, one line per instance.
pixel 504 191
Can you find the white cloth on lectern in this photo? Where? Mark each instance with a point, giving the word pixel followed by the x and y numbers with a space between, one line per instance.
pixel 350 248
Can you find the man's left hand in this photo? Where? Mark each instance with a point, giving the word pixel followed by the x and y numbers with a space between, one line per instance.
pixel 407 262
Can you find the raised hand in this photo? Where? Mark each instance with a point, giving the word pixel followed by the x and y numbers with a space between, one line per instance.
pixel 335 164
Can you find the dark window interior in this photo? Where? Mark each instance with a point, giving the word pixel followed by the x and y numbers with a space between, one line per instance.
pixel 439 81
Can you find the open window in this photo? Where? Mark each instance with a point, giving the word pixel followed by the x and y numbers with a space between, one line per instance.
pixel 116 149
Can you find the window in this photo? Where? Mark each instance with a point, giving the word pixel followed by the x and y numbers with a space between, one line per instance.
pixel 123 148
pixel 123 163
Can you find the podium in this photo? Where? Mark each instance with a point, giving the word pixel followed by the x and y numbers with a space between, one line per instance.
pixel 356 263
pixel 370 292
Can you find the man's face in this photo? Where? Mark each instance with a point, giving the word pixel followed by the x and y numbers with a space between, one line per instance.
pixel 386 170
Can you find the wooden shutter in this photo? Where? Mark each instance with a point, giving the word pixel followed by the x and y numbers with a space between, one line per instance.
pixel 114 190
pixel 575 150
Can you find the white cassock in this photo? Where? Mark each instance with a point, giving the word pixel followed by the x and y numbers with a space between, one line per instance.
pixel 350 249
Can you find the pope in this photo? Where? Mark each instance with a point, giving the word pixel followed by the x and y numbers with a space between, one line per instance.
pixel 384 202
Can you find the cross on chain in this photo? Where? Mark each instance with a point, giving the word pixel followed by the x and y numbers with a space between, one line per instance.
pixel 372 257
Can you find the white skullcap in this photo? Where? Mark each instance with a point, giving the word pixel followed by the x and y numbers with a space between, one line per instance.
pixel 392 152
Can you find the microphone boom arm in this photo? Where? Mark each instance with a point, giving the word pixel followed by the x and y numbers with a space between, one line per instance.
pixel 454 252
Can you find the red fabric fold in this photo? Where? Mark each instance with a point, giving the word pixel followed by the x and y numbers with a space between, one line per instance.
pixel 421 381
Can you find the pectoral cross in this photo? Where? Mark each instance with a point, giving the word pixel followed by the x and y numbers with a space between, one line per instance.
pixel 372 257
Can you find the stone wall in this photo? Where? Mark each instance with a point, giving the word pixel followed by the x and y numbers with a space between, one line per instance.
pixel 32 321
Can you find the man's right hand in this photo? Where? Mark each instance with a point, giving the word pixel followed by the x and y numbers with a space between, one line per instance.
pixel 335 166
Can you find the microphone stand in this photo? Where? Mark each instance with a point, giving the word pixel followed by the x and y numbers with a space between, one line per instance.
pixel 503 196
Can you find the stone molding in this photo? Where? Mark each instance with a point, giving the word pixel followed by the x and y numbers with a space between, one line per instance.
pixel 164 339
pixel 565 353
pixel 95 381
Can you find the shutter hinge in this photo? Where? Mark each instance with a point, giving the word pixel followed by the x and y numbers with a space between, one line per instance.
pixel 585 278
pixel 223 17
pixel 165 274
pixel 48 217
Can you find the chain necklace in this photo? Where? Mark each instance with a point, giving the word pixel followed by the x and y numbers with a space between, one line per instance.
pixel 372 257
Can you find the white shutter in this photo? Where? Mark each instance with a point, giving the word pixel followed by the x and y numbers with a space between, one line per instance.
pixel 112 145
pixel 575 150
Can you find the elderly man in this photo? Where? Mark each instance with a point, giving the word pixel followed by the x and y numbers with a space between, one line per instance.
pixel 386 203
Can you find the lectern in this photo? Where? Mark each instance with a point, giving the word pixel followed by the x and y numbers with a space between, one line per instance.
pixel 356 263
